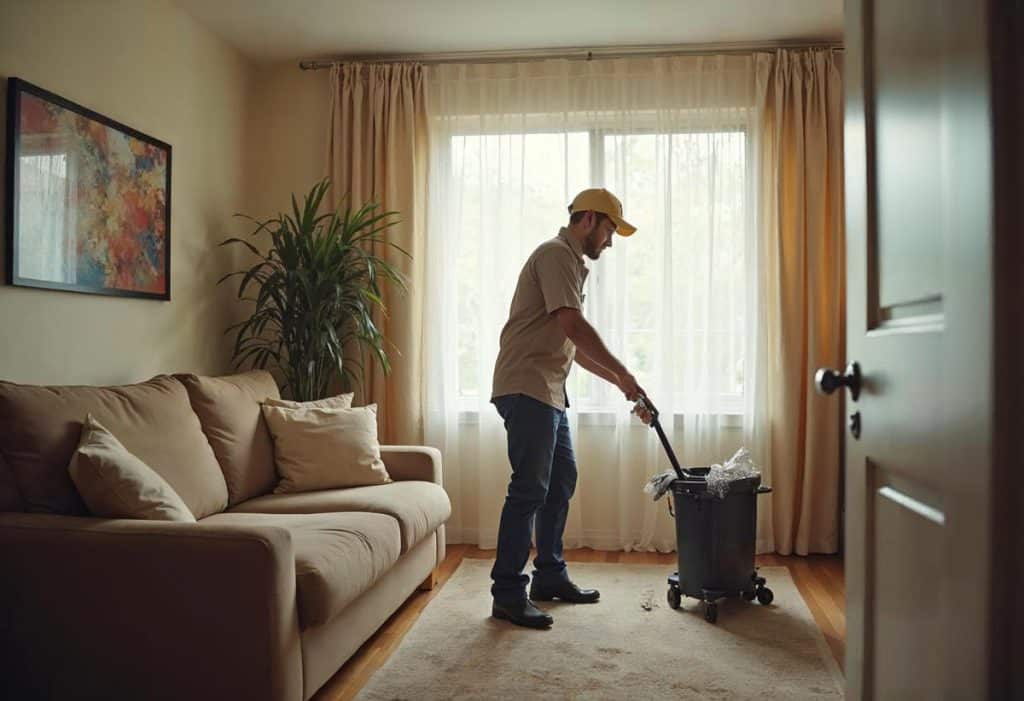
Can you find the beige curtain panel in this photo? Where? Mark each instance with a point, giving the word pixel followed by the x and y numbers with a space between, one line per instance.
pixel 802 291
pixel 378 151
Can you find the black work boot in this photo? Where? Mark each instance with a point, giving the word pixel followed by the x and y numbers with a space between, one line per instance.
pixel 564 590
pixel 522 614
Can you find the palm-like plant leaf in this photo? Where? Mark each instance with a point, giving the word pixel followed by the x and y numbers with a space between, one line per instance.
pixel 319 286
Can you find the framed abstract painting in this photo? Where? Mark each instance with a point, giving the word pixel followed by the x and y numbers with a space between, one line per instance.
pixel 88 200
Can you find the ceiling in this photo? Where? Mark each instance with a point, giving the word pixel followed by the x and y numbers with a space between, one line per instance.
pixel 280 30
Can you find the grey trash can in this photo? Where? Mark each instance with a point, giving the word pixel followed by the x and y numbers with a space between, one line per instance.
pixel 715 536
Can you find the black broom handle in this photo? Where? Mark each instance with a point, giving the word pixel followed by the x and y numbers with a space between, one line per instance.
pixel 661 434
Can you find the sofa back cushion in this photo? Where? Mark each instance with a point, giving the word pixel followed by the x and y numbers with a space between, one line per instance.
pixel 40 428
pixel 10 497
pixel 229 411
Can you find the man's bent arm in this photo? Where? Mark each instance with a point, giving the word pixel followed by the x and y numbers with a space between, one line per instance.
pixel 581 333
pixel 588 363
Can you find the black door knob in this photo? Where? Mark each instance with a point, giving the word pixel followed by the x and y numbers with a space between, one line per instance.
pixel 827 381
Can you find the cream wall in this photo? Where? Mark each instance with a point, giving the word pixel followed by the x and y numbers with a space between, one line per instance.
pixel 289 131
pixel 146 64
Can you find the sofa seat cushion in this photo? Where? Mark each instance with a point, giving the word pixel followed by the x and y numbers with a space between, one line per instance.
pixel 337 556
pixel 419 507
pixel 40 428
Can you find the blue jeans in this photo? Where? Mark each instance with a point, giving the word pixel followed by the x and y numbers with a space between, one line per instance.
pixel 543 481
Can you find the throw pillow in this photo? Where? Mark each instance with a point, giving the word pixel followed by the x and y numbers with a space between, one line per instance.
pixel 318 448
pixel 342 401
pixel 114 483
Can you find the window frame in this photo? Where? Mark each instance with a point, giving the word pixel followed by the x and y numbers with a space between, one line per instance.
pixel 730 404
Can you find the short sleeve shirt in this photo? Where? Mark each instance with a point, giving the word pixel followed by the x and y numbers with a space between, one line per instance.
pixel 535 355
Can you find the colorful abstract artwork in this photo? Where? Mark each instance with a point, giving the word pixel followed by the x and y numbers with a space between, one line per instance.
pixel 88 199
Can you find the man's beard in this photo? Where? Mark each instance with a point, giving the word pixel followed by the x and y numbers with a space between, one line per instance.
pixel 590 248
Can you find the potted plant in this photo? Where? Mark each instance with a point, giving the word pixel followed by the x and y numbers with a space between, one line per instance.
pixel 315 291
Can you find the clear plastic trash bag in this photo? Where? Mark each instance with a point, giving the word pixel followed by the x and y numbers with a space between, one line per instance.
pixel 738 467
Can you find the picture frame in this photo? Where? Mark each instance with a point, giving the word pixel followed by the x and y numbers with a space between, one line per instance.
pixel 88 199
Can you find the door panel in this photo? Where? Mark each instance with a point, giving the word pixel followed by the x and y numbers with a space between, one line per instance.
pixel 907 604
pixel 909 46
pixel 919 247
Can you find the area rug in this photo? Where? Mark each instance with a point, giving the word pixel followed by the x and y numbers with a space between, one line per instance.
pixel 630 645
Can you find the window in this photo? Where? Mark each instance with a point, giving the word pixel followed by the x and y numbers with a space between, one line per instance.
pixel 674 306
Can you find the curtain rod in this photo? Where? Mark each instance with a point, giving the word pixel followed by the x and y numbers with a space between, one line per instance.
pixel 572 54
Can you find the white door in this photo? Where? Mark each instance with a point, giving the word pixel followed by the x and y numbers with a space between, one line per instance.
pixel 919 197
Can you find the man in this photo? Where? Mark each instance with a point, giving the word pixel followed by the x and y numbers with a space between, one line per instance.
pixel 545 332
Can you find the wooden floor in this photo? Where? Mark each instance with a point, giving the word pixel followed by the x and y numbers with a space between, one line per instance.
pixel 818 577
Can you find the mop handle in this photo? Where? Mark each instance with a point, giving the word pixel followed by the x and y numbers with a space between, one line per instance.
pixel 649 405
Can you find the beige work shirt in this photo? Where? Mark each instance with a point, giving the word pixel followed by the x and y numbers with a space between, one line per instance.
pixel 535 354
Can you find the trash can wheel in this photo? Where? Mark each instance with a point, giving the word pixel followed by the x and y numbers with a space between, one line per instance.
pixel 674 598
pixel 711 612
pixel 765 595
pixel 750 595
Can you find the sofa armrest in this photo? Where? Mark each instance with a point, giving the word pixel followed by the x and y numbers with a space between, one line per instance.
pixel 412 462
pixel 96 608
pixel 416 462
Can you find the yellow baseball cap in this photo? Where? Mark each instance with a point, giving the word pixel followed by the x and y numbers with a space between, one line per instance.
pixel 600 200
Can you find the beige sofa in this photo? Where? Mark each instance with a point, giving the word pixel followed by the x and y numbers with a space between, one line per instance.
pixel 263 598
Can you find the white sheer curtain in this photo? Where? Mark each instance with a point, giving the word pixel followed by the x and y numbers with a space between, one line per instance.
pixel 511 144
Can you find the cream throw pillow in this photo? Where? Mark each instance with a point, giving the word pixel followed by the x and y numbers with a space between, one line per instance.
pixel 342 401
pixel 114 483
pixel 318 448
